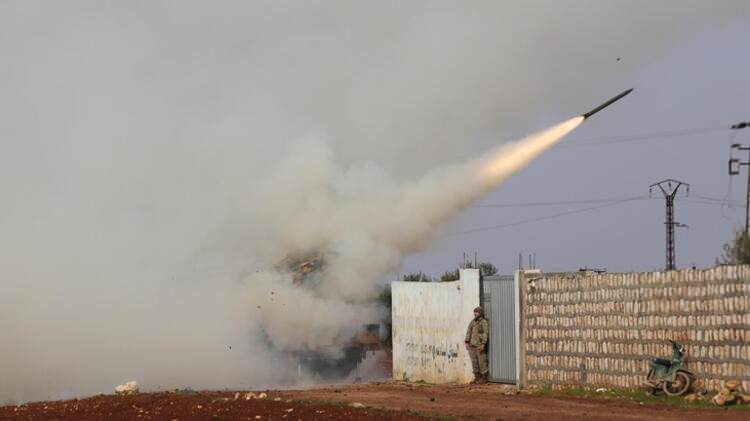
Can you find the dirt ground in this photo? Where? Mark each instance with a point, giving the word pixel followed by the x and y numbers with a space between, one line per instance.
pixel 193 406
pixel 488 402
pixel 380 401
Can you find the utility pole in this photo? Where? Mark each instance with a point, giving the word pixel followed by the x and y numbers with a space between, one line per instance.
pixel 669 188
pixel 734 169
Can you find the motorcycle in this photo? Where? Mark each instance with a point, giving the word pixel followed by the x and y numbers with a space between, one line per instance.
pixel 671 376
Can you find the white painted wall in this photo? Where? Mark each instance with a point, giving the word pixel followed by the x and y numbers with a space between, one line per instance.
pixel 429 326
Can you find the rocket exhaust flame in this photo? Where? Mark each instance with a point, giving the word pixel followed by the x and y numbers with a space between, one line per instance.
pixel 508 159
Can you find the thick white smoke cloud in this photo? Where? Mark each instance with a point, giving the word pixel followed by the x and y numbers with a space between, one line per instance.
pixel 366 224
pixel 152 176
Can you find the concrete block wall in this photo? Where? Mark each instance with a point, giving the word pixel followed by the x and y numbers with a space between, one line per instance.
pixel 429 323
pixel 602 330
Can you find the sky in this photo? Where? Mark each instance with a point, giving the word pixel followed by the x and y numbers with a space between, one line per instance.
pixel 699 81
pixel 159 159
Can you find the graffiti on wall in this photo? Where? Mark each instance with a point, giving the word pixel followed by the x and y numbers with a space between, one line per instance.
pixel 425 355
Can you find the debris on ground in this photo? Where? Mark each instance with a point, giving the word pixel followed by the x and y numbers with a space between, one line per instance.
pixel 357 405
pixel 732 392
pixel 602 389
pixel 129 388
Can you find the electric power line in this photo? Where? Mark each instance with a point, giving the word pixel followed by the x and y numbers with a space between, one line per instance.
pixel 642 136
pixel 556 203
pixel 702 200
pixel 543 218
pixel 713 203
pixel 596 200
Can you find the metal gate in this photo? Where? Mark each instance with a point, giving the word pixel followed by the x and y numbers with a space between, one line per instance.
pixel 499 302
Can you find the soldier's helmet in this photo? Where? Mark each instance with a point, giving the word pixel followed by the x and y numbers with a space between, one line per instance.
pixel 479 310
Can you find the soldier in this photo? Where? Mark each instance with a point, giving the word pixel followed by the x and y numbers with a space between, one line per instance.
pixel 477 336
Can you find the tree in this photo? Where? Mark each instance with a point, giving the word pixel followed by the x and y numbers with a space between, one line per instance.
pixel 416 277
pixel 384 299
pixel 737 251
pixel 450 276
pixel 485 269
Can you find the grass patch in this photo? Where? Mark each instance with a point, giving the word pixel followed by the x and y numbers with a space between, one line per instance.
pixel 436 417
pixel 422 383
pixel 346 404
pixel 639 396
pixel 327 402
pixel 186 391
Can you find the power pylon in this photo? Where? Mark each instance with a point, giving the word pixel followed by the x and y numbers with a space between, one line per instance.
pixel 734 169
pixel 669 188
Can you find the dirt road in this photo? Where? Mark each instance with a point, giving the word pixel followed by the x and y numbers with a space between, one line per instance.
pixel 488 402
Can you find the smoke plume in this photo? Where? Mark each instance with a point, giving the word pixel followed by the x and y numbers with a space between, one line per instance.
pixel 367 225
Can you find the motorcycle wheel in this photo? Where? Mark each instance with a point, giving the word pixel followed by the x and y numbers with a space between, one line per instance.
pixel 679 386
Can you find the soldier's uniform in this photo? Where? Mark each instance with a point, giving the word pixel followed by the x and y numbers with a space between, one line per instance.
pixel 477 336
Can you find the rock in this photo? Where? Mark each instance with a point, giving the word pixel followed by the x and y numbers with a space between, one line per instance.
pixel 601 389
pixel 356 405
pixel 743 398
pixel 129 388
pixel 236 395
pixel 732 385
pixel 250 395
pixel 509 390
pixel 722 398
pixel 262 395
pixel 277 399
pixel 692 397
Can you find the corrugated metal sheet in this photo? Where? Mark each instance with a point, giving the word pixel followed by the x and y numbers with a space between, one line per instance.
pixel 499 302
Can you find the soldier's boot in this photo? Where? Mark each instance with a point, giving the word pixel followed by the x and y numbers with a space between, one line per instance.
pixel 477 377
pixel 481 378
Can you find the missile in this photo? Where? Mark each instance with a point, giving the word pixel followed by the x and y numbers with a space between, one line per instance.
pixel 606 104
